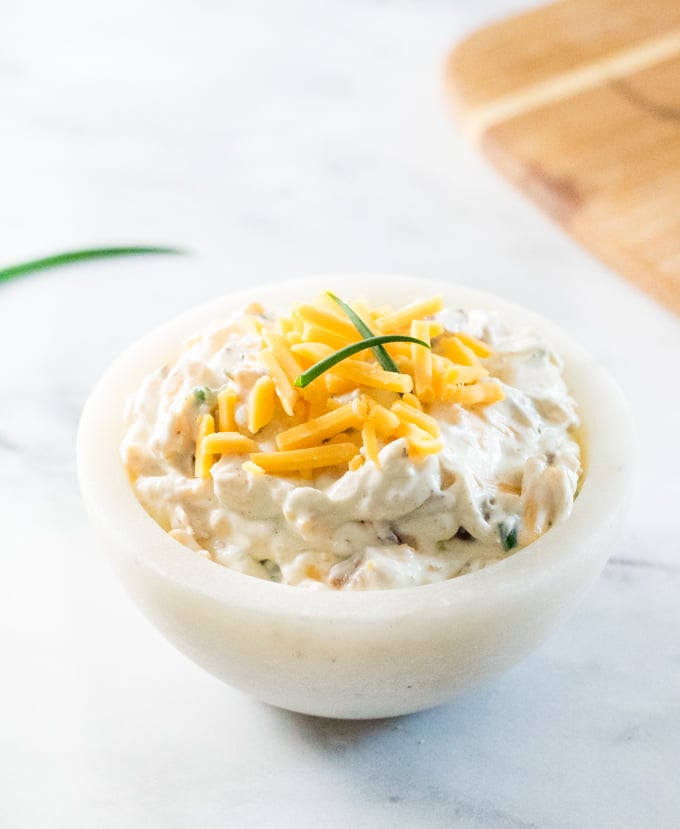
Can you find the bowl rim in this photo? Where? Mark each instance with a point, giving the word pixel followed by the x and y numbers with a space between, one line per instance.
pixel 115 509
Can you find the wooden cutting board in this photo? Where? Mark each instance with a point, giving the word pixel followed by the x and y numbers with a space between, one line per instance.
pixel 578 104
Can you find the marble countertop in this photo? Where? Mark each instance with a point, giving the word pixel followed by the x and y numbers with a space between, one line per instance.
pixel 276 140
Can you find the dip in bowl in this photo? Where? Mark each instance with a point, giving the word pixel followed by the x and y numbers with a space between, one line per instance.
pixel 365 653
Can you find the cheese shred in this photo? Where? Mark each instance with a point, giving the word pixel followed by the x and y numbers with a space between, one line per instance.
pixel 312 458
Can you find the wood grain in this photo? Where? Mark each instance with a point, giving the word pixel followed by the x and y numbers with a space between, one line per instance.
pixel 578 104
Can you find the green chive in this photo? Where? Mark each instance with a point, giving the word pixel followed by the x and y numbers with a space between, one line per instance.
pixel 370 342
pixel 59 259
pixel 203 394
pixel 508 537
pixel 381 354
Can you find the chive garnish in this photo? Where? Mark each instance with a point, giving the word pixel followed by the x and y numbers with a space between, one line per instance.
pixel 369 342
pixel 203 394
pixel 381 354
pixel 508 537
pixel 68 258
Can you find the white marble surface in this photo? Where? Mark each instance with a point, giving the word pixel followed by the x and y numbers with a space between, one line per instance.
pixel 275 140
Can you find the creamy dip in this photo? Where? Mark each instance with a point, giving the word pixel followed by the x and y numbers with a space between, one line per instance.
pixel 505 474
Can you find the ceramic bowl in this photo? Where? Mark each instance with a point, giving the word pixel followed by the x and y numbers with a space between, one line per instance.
pixel 356 654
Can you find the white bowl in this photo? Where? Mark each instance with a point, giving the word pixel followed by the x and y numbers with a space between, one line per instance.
pixel 356 654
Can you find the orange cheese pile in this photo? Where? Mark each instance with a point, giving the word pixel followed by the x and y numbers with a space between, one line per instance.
pixel 344 417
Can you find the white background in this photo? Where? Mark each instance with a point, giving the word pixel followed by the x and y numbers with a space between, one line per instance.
pixel 277 140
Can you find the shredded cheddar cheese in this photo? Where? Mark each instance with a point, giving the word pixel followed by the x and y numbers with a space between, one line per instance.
pixel 328 425
pixel 261 404
pixel 345 416
pixel 477 394
pixel 329 322
pixel 227 443
pixel 370 442
pixel 284 387
pixel 404 317
pixel 481 349
pixel 311 353
pixel 297 459
pixel 409 414
pixel 422 361
pixel 226 409
pixel 419 442
pixel 368 374
pixel 252 468
pixel 459 352
pixel 355 463
pixel 280 348
pixel 206 426
pixel 385 422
